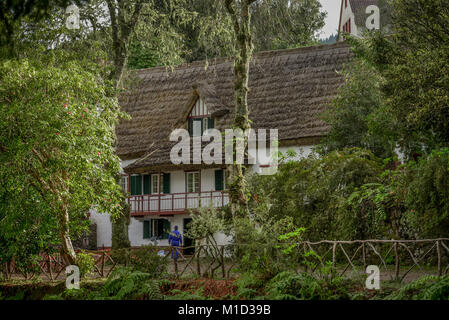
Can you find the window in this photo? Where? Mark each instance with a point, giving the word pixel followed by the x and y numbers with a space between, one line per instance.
pixel 159 228
pixel 165 183
pixel 197 127
pixel 220 180
pixel 192 182
pixel 154 183
pixel 136 185
pixel 124 183
pixel 199 119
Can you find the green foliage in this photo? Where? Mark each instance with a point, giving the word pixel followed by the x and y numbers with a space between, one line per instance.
pixel 357 116
pixel 57 148
pixel 249 285
pixel 146 259
pixel 141 57
pixel 85 263
pixel 206 222
pixel 288 285
pixel 425 288
pixel 124 283
pixel 428 194
pixel 177 294
pixel 413 63
pixel 311 191
pixel 275 23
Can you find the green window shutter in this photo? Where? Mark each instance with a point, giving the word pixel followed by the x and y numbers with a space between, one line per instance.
pixel 210 123
pixel 146 184
pixel 146 229
pixel 166 177
pixel 136 185
pixel 218 180
pixel 165 228
pixel 191 127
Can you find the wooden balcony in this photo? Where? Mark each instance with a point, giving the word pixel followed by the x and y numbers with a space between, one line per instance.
pixel 175 203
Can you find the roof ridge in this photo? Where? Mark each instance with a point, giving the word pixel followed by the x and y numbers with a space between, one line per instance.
pixel 257 55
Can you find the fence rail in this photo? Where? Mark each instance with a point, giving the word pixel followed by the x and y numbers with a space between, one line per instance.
pixel 176 202
pixel 395 258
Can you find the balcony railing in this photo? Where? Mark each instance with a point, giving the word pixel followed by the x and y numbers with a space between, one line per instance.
pixel 173 203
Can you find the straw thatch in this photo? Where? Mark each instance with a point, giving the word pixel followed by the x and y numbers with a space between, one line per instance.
pixel 289 90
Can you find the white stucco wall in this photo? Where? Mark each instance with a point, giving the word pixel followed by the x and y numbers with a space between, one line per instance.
pixel 177 185
pixel 345 15
pixel 104 228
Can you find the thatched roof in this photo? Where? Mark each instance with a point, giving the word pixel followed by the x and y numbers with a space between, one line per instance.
pixel 289 90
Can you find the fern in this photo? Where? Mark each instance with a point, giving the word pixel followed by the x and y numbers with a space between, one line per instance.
pixel 425 288
pixel 124 283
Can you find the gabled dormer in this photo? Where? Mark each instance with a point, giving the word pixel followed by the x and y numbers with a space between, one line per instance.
pixel 199 119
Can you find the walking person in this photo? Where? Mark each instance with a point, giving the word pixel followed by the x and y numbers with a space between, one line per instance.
pixel 175 240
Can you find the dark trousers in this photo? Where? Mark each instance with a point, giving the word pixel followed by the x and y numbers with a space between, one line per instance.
pixel 174 251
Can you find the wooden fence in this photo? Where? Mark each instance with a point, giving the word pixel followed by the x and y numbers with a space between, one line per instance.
pixel 395 258
pixel 52 266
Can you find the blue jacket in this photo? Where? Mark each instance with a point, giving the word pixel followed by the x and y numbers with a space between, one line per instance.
pixel 175 238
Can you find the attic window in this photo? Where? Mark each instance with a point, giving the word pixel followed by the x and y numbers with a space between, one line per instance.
pixel 199 119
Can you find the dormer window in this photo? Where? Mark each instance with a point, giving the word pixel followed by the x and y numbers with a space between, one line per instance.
pixel 199 119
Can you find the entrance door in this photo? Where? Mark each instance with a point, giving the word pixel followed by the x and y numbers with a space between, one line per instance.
pixel 187 241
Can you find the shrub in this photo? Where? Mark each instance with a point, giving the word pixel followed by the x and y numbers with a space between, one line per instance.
pixel 86 263
pixel 146 259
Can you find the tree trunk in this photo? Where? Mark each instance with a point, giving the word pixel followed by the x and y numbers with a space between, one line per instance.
pixel 237 182
pixel 67 248
pixel 123 23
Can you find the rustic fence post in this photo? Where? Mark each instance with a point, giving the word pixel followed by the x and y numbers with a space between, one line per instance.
pixel 396 266
pixel 198 264
pixel 223 263
pixel 102 263
pixel 364 256
pixel 439 258
pixel 175 260
pixel 49 267
pixel 334 254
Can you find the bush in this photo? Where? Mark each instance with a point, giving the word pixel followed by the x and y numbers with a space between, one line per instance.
pixel 146 259
pixel 86 263
pixel 311 191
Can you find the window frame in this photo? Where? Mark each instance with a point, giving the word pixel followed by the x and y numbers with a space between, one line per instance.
pixel 193 173
pixel 153 176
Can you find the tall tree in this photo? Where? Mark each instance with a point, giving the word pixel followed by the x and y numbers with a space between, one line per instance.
pixel 413 61
pixel 280 24
pixel 241 17
pixel 56 142
pixel 124 16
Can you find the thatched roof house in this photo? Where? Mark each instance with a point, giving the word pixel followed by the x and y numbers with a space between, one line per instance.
pixel 289 90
